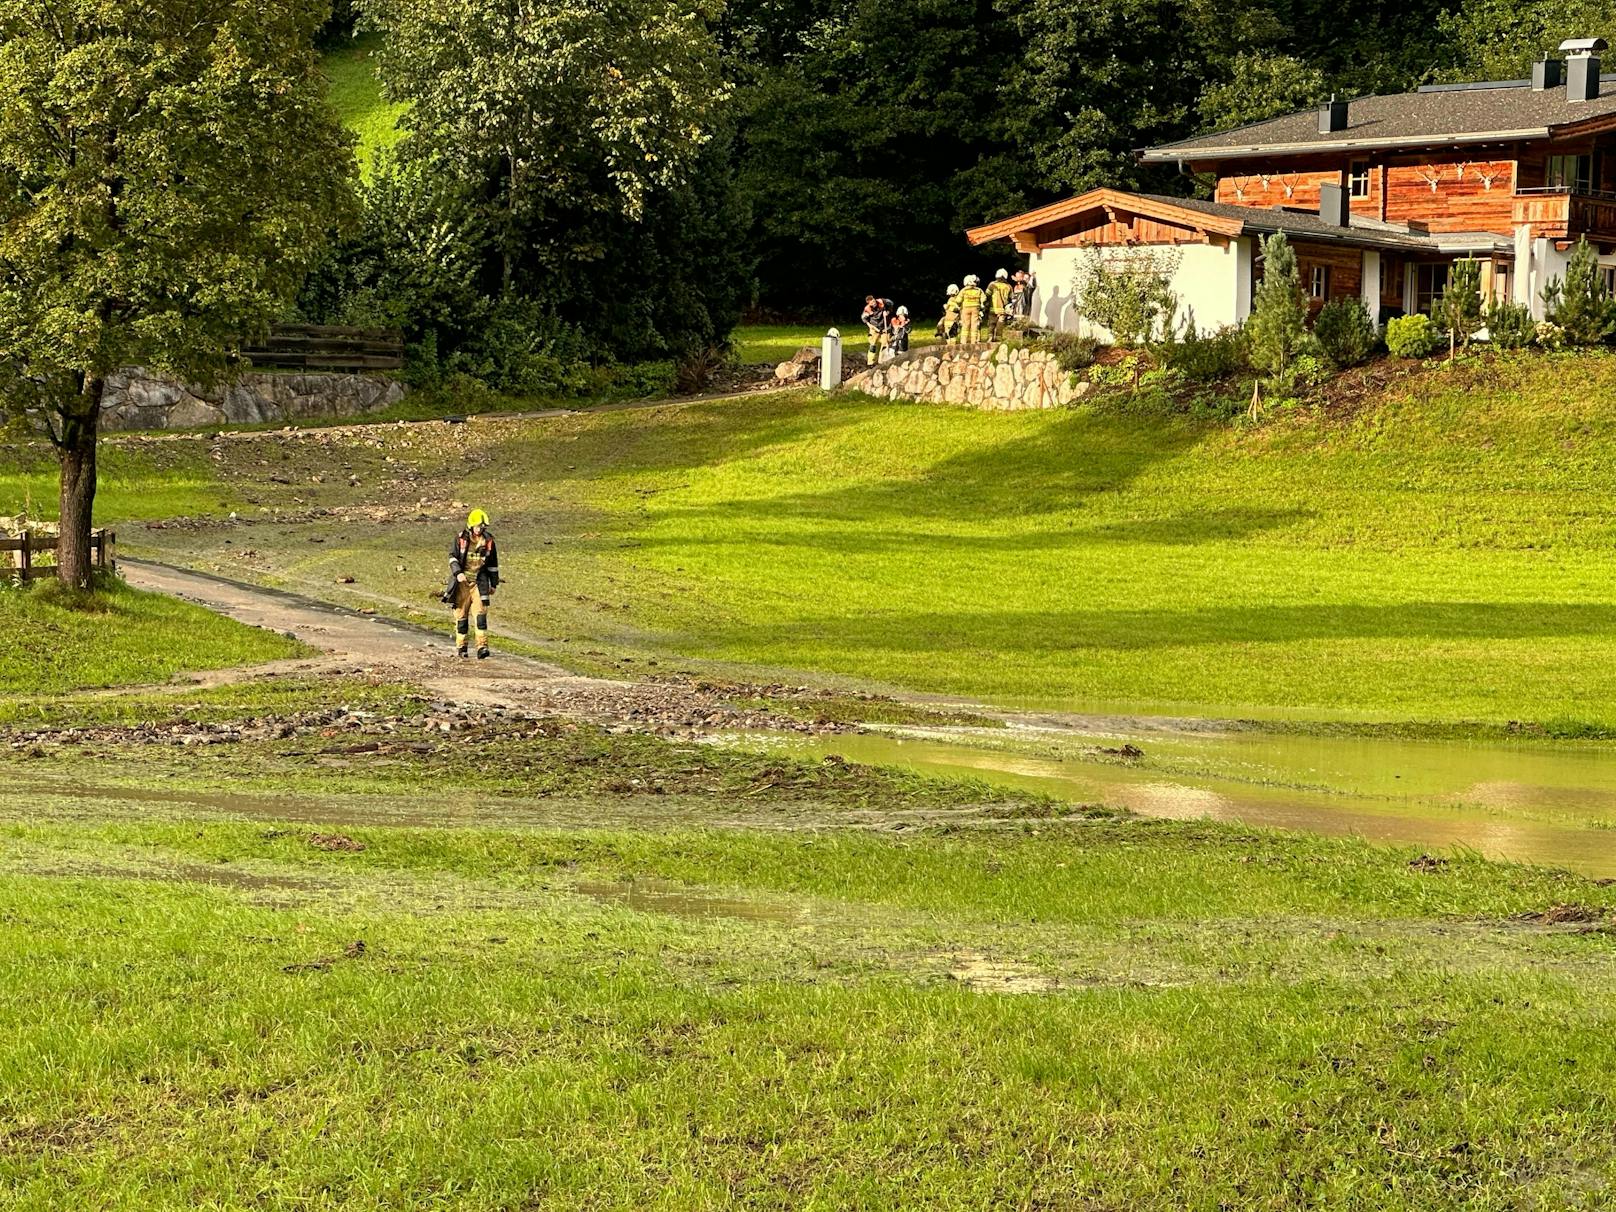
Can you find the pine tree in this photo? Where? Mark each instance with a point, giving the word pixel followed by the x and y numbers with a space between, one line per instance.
pixel 1278 324
pixel 1460 309
pixel 1579 303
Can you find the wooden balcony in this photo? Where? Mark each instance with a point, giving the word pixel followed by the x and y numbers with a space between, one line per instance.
pixel 1562 215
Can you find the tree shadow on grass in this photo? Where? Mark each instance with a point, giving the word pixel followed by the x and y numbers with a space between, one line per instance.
pixel 756 525
pixel 1124 629
pixel 1067 458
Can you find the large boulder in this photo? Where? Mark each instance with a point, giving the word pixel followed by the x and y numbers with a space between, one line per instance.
pixel 800 366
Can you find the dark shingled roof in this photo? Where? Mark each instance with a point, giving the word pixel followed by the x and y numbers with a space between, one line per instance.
pixel 1363 233
pixel 1507 110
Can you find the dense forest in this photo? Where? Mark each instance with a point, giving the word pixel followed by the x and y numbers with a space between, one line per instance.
pixel 786 157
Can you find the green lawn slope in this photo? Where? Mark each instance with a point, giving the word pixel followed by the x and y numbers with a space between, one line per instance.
pixel 356 94
pixel 120 637
pixel 1442 554
pixel 1446 553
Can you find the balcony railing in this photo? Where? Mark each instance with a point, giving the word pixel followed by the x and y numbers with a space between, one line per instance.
pixel 1561 213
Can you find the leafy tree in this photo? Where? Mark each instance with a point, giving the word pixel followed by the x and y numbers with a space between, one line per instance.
pixel 1129 294
pixel 167 173
pixel 547 111
pixel 1460 305
pixel 1579 303
pixel 1278 323
pixel 1261 85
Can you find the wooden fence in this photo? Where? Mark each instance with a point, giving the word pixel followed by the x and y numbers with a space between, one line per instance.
pixel 24 547
pixel 328 349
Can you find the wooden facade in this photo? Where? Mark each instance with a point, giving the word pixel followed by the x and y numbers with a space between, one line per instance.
pixel 1463 190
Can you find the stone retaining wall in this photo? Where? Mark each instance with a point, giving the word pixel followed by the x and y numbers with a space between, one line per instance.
pixel 137 400
pixel 993 376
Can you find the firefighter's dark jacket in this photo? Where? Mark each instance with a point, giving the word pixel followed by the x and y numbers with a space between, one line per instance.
pixel 462 547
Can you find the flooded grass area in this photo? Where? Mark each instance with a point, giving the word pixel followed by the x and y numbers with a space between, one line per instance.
pixel 1528 801
pixel 339 964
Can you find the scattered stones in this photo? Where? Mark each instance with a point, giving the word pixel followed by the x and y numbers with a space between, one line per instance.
pixel 800 367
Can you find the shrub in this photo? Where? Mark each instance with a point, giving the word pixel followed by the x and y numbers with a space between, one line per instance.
pixel 1578 303
pixel 1510 325
pixel 1072 351
pixel 1130 294
pixel 1346 332
pixel 523 349
pixel 695 371
pixel 1278 324
pixel 1217 355
pixel 1414 336
pixel 1549 336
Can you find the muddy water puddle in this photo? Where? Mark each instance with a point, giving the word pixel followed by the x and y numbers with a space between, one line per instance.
pixel 1554 805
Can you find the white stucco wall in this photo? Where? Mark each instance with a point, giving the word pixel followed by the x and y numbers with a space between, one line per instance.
pixel 1537 263
pixel 1212 282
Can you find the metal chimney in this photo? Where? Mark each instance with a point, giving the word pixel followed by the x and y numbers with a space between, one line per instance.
pixel 1332 117
pixel 1547 74
pixel 1335 208
pixel 1582 68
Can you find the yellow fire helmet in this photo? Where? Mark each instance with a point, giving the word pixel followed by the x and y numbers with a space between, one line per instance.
pixel 475 519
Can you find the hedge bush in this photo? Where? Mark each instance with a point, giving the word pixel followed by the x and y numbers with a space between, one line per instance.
pixel 1217 355
pixel 1346 332
pixel 1414 336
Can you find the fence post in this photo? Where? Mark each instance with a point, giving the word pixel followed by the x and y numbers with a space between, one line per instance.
pixel 25 555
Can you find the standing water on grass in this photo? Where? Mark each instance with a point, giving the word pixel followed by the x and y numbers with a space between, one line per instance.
pixel 1538 803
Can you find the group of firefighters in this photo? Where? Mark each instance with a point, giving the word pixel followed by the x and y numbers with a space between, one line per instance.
pixel 969 314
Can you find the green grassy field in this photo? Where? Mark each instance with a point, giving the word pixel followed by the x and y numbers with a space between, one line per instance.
pixel 333 980
pixel 356 94
pixel 1441 555
pixel 774 343
pixel 121 637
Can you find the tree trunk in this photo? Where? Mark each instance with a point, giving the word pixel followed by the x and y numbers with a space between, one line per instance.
pixel 76 451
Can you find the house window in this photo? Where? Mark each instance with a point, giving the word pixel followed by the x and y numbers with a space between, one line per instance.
pixel 1318 282
pixel 1430 281
pixel 1358 179
pixel 1607 279
pixel 1574 173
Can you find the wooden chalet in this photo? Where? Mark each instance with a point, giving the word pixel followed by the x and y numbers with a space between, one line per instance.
pixel 1378 195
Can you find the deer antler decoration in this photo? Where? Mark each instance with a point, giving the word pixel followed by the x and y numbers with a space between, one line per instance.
pixel 1431 180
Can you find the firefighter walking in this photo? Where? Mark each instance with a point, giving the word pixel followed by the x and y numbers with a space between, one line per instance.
pixel 473 577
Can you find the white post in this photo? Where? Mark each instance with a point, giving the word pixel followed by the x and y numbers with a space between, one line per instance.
pixel 830 361
pixel 1370 285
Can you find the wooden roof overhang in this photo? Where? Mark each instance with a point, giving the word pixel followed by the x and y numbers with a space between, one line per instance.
pixel 1061 223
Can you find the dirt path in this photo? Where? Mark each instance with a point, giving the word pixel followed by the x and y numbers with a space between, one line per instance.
pixel 354 641
pixel 350 641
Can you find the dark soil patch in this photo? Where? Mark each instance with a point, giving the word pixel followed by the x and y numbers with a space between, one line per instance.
pixel 1564 915
pixel 339 842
